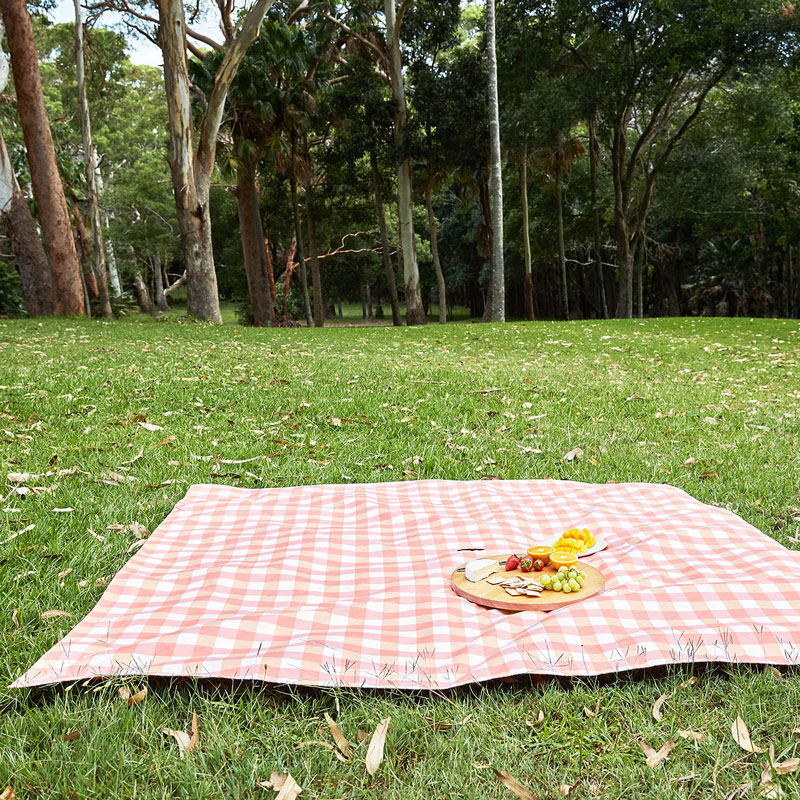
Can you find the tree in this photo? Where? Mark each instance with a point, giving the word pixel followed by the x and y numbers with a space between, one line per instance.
pixel 497 286
pixel 191 166
pixel 47 187
pixel 20 226
pixel 90 164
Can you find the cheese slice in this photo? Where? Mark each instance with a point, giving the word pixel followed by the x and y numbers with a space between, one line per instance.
pixel 480 568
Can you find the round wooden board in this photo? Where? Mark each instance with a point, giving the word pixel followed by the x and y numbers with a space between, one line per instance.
pixel 485 594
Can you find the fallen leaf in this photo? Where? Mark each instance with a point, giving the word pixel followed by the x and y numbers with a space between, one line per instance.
pixel 655 757
pixel 286 786
pixel 21 477
pixel 71 736
pixel 63 510
pixel 64 573
pixel 531 722
pixel 573 454
pixel 362 734
pixel 195 737
pixel 8 794
pixel 136 457
pixel 513 785
pixel 776 673
pixel 149 426
pixel 742 736
pixel 54 612
pixel 336 422
pixel 136 545
pixel 771 791
pixel 690 682
pixel 136 528
pixel 133 699
pixel 697 737
pixel 657 715
pixel 14 618
pixel 589 713
pixel 566 788
pixel 339 737
pixel 183 740
pixel 708 475
pixel 782 767
pixel 376 743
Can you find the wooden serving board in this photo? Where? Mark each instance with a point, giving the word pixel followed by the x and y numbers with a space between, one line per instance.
pixel 485 594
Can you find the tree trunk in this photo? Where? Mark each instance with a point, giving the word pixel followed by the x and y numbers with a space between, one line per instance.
pixel 45 179
pixel 270 275
pixel 31 261
pixel 313 254
pixel 363 303
pixel 387 256
pixel 415 314
pixel 158 284
pixel 142 294
pixel 339 308
pixel 497 281
pixel 298 231
pixel 111 260
pixel 526 235
pixel 594 153
pixel 435 254
pixel 189 184
pixel 90 289
pixel 625 265
pixel 90 168
pixel 252 235
pixel 562 256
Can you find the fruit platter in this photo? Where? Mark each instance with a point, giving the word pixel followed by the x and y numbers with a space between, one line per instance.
pixel 542 579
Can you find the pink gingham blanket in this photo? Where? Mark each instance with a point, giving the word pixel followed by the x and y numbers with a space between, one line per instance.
pixel 349 585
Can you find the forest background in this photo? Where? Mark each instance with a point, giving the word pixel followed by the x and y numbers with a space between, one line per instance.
pixel 649 160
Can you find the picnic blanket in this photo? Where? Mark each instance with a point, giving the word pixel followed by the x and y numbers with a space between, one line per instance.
pixel 349 585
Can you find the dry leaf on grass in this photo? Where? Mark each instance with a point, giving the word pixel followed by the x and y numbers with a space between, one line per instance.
pixel 513 785
pixel 136 457
pixel 655 757
pixel 14 619
pixel 285 785
pixel 376 743
pixel 742 736
pixel 136 528
pixel 589 713
pixel 697 737
pixel 362 734
pixel 149 426
pixel 566 788
pixel 195 737
pixel 54 612
pixel 71 736
pixel 776 673
pixel 577 453
pixel 339 737
pixel 657 715
pixel 8 794
pixel 132 699
pixel 782 767
pixel 531 722
pixel 66 510
pixel 182 738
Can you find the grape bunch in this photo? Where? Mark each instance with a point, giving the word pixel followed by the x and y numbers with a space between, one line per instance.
pixel 567 580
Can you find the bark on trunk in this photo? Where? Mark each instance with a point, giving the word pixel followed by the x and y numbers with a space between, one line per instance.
pixel 497 281
pixel 158 284
pixel 339 308
pixel 391 284
pixel 270 277
pixel 415 314
pixel 190 189
pixel 526 235
pixel 45 179
pixel 435 254
pixel 90 290
pixel 142 294
pixel 562 255
pixel 313 253
pixel 253 242
pixel 31 261
pixel 594 156
pixel 370 316
pixel 90 167
pixel 111 259
pixel 298 232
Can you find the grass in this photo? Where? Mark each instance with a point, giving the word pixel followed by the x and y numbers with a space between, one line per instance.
pixel 640 398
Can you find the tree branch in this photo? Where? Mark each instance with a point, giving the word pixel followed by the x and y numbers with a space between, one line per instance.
pixel 350 32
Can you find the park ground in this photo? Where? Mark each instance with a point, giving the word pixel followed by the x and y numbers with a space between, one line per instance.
pixel 709 405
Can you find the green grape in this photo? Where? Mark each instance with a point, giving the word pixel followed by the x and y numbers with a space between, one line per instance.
pixel 556 586
pixel 545 580
pixel 574 585
pixel 573 573
pixel 562 570
pixel 566 588
pixel 581 580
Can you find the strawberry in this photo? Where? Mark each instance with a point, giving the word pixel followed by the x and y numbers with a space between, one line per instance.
pixel 512 562
pixel 526 563
pixel 538 565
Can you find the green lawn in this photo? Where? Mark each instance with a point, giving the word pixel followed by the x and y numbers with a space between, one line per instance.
pixel 657 400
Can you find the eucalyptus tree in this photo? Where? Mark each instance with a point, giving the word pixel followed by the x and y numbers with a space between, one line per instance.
pixel 67 294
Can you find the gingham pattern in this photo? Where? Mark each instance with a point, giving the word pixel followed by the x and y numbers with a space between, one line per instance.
pixel 350 585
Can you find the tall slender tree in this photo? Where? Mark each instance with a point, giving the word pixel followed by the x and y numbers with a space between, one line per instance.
pixel 90 168
pixel 45 178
